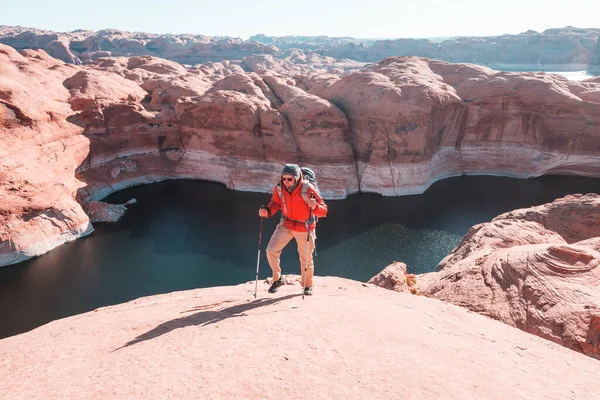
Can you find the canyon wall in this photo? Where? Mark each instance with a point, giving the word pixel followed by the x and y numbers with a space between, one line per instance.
pixel 73 134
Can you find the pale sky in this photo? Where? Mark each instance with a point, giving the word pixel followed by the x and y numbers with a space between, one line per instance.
pixel 356 18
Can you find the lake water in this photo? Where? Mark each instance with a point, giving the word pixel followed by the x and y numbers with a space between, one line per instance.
pixel 570 75
pixel 190 234
pixel 574 75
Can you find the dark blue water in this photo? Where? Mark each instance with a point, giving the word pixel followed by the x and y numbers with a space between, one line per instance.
pixel 189 234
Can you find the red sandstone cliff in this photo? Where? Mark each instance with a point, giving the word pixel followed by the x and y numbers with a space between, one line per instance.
pixel 39 152
pixel 392 128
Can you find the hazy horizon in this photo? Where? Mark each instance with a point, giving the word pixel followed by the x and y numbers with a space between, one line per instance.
pixel 434 38
pixel 431 19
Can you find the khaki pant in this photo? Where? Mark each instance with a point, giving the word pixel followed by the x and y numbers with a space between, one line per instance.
pixel 281 237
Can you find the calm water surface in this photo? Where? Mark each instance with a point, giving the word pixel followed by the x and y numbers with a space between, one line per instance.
pixel 190 234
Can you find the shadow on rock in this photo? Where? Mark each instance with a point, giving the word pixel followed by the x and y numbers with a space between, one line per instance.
pixel 204 318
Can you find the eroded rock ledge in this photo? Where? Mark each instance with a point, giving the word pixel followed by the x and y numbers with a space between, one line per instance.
pixel 72 134
pixel 537 269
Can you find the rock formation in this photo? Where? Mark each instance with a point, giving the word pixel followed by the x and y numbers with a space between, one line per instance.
pixel 537 269
pixel 39 152
pixel 394 277
pixel 71 134
pixel 568 49
pixel 414 121
pixel 306 42
pixel 559 49
pixel 350 340
pixel 594 67
pixel 82 46
pixel 393 128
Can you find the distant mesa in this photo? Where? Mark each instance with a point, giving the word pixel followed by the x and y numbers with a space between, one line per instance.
pixel 557 49
pixel 82 46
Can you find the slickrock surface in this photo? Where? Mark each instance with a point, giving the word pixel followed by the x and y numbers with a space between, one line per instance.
pixel 537 269
pixel 349 340
pixel 82 132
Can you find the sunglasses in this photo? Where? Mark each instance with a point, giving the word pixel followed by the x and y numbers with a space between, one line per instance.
pixel 288 179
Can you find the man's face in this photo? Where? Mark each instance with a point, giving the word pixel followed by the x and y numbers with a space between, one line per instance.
pixel 288 180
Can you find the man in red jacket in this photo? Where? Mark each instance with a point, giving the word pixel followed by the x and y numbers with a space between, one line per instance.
pixel 294 223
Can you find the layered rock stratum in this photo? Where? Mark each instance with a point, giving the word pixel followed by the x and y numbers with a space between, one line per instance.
pixel 349 340
pixel 73 134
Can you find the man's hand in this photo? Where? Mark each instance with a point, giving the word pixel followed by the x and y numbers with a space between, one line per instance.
pixel 263 213
pixel 312 203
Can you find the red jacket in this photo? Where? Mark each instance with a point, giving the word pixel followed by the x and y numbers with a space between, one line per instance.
pixel 297 209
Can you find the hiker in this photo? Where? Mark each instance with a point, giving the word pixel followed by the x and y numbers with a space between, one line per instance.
pixel 298 196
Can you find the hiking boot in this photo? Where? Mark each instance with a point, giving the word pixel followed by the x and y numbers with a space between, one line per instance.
pixel 308 291
pixel 275 285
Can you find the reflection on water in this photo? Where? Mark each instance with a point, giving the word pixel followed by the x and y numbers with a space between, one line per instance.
pixel 189 234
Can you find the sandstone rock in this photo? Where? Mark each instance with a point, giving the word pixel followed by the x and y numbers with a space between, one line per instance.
pixel 390 108
pixel 244 83
pixel 99 211
pixel 165 91
pixel 320 128
pixel 118 65
pixel 156 65
pixel 393 277
pixel 520 270
pixel 222 68
pixel 39 151
pixel 84 46
pixel 569 49
pixel 593 243
pixel 89 87
pixel 393 128
pixel 499 234
pixel 594 65
pixel 574 217
pixel 316 81
pixel 360 342
pixel 222 121
pixel 261 62
pixel 554 49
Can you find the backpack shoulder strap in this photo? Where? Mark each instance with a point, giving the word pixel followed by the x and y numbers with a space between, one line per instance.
pixel 304 191
pixel 281 198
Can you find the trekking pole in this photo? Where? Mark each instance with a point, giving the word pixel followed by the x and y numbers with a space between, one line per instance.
pixel 312 196
pixel 258 259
